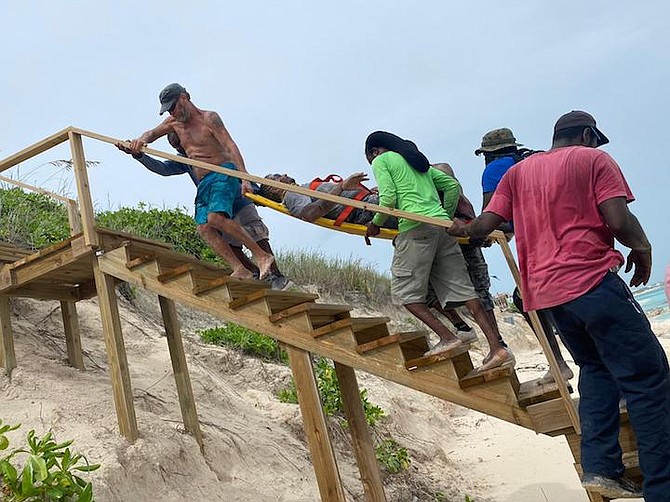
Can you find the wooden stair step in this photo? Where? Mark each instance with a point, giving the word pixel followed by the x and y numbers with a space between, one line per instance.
pixel 385 341
pixel 363 323
pixel 319 313
pixel 237 287
pixel 276 300
pixel 447 355
pixel 533 392
pixel 141 260
pixel 174 273
pixel 333 326
pixel 477 378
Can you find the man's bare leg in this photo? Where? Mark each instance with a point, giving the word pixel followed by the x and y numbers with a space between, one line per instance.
pixel 498 354
pixel 447 339
pixel 263 259
pixel 221 247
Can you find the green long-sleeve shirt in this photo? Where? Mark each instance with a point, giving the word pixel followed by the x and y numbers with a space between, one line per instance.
pixel 403 187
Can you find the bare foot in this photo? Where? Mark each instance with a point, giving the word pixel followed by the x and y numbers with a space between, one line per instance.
pixel 264 264
pixel 500 358
pixel 242 273
pixel 443 346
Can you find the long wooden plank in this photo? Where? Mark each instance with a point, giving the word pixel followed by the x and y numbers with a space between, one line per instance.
pixel 83 190
pixel 116 354
pixel 544 343
pixel 72 336
pixel 7 355
pixel 497 234
pixel 316 428
pixel 338 346
pixel 34 149
pixel 180 369
pixel 362 440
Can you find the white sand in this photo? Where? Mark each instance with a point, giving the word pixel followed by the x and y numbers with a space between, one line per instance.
pixel 255 447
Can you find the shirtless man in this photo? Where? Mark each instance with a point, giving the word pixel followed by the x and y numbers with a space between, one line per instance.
pixel 204 137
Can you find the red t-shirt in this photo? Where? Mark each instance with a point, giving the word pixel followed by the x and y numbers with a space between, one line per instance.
pixel 564 246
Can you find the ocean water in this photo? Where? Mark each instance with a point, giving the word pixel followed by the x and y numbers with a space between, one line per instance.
pixel 654 302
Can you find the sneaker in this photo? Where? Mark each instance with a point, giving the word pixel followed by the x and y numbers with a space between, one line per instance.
pixel 621 488
pixel 280 283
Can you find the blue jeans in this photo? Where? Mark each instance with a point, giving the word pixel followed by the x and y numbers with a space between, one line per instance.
pixel 611 341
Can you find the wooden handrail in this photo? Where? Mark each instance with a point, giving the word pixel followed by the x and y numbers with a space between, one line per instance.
pixel 35 149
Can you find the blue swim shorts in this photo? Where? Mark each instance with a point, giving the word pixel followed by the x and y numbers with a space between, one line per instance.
pixel 216 194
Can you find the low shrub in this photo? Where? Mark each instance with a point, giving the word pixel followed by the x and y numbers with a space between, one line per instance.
pixel 248 341
pixel 44 471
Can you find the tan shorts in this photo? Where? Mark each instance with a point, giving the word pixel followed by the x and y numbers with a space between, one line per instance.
pixel 251 222
pixel 427 254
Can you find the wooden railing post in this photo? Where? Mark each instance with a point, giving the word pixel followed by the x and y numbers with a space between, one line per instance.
pixel 7 356
pixel 364 450
pixel 316 428
pixel 544 343
pixel 73 217
pixel 72 333
pixel 180 368
pixel 83 190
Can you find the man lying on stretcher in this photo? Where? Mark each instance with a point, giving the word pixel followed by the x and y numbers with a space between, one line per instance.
pixel 311 209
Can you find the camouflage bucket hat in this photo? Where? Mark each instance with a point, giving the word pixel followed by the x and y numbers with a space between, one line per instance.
pixel 496 140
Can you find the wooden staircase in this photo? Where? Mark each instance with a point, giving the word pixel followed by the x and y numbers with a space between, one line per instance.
pixel 67 272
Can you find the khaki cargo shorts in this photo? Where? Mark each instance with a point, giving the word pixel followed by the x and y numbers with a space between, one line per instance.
pixel 250 220
pixel 427 254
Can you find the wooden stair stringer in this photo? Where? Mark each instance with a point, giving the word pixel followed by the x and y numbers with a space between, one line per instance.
pixel 340 347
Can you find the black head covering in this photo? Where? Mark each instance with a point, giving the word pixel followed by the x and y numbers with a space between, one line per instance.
pixel 396 144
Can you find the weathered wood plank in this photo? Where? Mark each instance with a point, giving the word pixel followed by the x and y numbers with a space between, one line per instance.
pixel 180 368
pixel 116 354
pixel 83 190
pixel 316 429
pixel 72 334
pixel 7 355
pixel 364 449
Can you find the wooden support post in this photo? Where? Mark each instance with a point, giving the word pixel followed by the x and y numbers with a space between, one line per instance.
pixel 544 343
pixel 314 421
pixel 7 355
pixel 116 353
pixel 360 434
pixel 68 310
pixel 83 190
pixel 73 217
pixel 180 369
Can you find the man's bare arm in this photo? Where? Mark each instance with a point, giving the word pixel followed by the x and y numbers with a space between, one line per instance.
pixel 478 228
pixel 151 135
pixel 628 231
pixel 221 134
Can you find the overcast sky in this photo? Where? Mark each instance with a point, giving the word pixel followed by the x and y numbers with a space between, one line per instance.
pixel 300 84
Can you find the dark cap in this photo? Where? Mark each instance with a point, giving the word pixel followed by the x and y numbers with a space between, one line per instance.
pixel 497 140
pixel 578 118
pixel 169 96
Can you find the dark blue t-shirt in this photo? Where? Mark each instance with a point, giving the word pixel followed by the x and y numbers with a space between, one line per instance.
pixel 494 171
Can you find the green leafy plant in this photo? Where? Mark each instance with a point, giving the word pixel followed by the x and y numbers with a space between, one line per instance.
pixel 246 340
pixel 44 471
pixel 330 393
pixel 393 457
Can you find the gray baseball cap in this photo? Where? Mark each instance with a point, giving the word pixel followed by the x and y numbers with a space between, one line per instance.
pixel 169 96
pixel 579 118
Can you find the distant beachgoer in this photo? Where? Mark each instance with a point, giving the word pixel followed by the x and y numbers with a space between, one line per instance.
pixel 204 137
pixel 568 205
pixel 667 282
pixel 425 253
